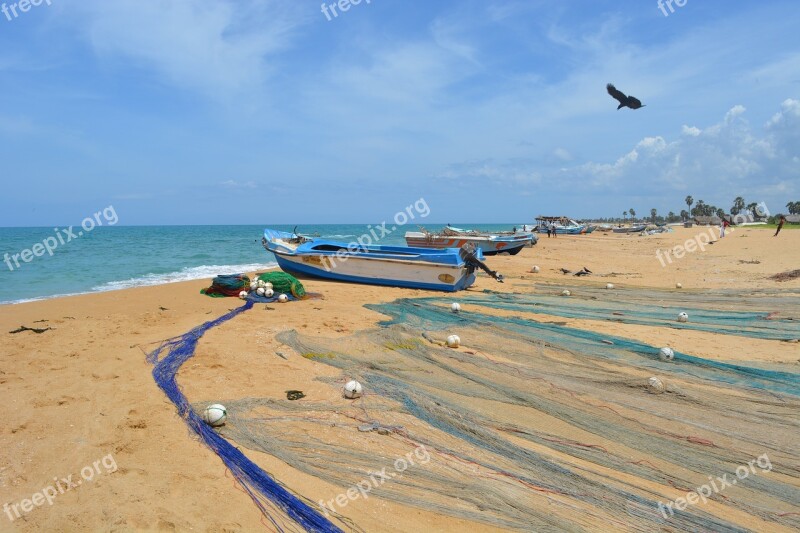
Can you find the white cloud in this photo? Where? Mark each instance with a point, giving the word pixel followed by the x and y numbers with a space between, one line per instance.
pixel 219 48
pixel 233 184
pixel 691 131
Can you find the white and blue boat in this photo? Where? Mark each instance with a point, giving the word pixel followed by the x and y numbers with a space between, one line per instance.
pixel 450 269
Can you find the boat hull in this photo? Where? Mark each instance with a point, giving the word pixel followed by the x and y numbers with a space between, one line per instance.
pixel 487 244
pixel 395 266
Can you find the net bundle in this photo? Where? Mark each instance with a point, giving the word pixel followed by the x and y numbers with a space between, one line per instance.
pixel 227 285
pixel 284 283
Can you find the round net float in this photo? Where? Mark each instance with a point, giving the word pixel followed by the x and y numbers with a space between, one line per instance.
pixel 253 285
pixel 683 317
pixel 269 293
pixel 260 291
pixel 453 341
pixel 352 389
pixel 678 286
pixel 655 385
pixel 535 269
pixel 565 292
pixel 268 285
pixel 609 285
pixel 243 295
pixel 260 283
pixel 283 298
pixel 215 414
pixel 455 307
pixel 666 354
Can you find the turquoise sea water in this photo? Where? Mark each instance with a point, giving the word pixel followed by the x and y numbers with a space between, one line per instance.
pixel 119 257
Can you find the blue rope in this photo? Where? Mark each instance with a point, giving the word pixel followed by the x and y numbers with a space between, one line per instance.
pixel 255 481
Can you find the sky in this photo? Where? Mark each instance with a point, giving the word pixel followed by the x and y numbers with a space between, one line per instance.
pixel 274 112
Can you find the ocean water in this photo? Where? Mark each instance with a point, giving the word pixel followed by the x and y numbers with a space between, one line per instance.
pixel 119 257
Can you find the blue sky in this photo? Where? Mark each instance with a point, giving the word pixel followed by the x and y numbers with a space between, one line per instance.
pixel 266 112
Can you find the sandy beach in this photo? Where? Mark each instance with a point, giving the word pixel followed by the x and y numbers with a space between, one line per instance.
pixel 81 400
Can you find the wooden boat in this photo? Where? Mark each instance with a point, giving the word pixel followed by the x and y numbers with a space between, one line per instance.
pixel 397 266
pixel 564 225
pixel 630 229
pixel 488 243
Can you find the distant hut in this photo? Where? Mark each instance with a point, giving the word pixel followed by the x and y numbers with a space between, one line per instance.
pixel 708 221
pixel 793 219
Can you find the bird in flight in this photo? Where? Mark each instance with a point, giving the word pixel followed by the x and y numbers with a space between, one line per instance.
pixel 624 101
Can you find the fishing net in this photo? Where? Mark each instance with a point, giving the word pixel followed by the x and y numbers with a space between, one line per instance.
pixel 227 285
pixel 284 283
pixel 535 426
pixel 271 497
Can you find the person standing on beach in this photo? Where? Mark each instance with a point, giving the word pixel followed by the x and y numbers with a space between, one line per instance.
pixel 722 227
pixel 781 222
pixel 553 227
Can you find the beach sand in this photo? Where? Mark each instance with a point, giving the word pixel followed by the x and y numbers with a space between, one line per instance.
pixel 83 391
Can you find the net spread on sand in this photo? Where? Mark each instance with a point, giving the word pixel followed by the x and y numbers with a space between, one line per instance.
pixel 536 426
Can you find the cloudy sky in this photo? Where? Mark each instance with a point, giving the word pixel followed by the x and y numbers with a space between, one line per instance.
pixel 266 112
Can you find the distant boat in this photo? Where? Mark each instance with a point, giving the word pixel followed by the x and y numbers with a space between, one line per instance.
pixel 397 266
pixel 630 229
pixel 563 225
pixel 488 243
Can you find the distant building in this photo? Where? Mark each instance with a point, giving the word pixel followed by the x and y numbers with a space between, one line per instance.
pixel 793 219
pixel 707 221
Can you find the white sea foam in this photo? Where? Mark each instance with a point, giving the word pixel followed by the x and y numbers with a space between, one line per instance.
pixel 186 274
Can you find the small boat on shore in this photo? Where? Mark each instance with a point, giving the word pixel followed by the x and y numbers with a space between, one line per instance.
pixel 450 269
pixel 629 229
pixel 563 225
pixel 488 243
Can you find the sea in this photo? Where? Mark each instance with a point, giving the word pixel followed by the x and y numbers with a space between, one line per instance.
pixel 108 258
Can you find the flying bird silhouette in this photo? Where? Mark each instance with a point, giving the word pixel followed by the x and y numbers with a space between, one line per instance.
pixel 624 101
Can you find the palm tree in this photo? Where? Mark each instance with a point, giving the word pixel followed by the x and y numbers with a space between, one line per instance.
pixel 738 206
pixel 720 213
pixel 670 217
pixel 624 214
pixel 653 215
pixel 633 214
pixel 753 208
pixel 699 209
pixel 793 207
pixel 689 201
pixel 684 214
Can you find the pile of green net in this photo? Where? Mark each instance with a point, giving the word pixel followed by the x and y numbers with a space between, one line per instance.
pixel 284 283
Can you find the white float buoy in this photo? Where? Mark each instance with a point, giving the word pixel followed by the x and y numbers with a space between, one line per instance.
pixel 565 292
pixel 453 341
pixel 268 285
pixel 352 389
pixel 666 354
pixel 260 291
pixel 253 285
pixel 215 415
pixel 535 269
pixel 455 307
pixel 260 282
pixel 678 286
pixel 269 293
pixel 655 385
pixel 609 285
pixel 243 295
pixel 683 317
pixel 283 298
